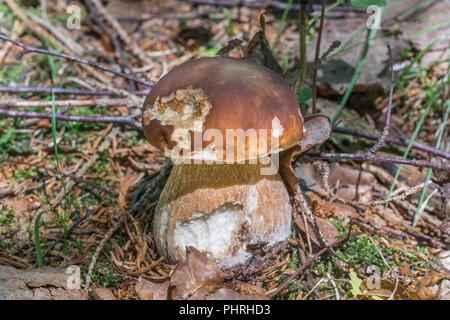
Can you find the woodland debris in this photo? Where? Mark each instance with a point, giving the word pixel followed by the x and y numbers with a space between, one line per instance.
pixel 196 278
pixel 103 294
pixel 149 290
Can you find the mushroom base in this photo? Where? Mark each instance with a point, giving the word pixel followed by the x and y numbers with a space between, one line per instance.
pixel 221 209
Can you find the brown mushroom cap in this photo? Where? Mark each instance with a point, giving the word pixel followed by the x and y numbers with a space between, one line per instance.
pixel 222 94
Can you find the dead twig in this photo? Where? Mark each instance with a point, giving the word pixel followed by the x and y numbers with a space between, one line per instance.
pixel 11 103
pixel 96 18
pixel 297 273
pixel 99 249
pixel 302 205
pixel 29 49
pixel 122 120
pixel 324 170
pixel 380 143
pixel 266 5
pixel 365 157
pixel 392 141
pixel 132 122
pixel 61 91
pixel 122 34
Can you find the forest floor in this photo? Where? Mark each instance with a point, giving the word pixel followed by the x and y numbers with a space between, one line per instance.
pixel 72 190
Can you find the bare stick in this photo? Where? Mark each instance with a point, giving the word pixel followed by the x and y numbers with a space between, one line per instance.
pixel 102 243
pixel 317 57
pixel 392 141
pixel 60 91
pixel 324 170
pixel 264 5
pixel 302 204
pixel 96 18
pixel 123 120
pixel 131 121
pixel 8 103
pixel 380 143
pixel 365 157
pixel 98 7
pixel 339 130
pixel 297 273
pixel 30 49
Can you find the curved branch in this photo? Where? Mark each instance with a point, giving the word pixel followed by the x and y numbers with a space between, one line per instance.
pixel 124 120
pixel 392 141
pixel 366 157
pixel 29 49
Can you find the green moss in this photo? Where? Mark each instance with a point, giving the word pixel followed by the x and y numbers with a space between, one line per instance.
pixel 79 129
pixel 339 225
pixel 104 273
pixel 12 73
pixel 293 261
pixel 12 142
pixel 21 175
pixel 360 252
pixel 6 217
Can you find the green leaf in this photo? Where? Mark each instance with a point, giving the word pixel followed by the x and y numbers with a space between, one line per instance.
pixel 305 94
pixel 355 283
pixel 7 137
pixel 367 3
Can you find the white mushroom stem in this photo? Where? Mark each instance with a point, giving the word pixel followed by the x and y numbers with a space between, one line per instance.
pixel 221 209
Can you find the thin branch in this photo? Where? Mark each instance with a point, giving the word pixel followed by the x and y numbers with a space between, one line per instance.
pixel 9 103
pixel 324 170
pixel 334 45
pixel 297 273
pixel 98 250
pixel 97 19
pixel 392 141
pixel 29 49
pixel 380 143
pixel 97 8
pixel 123 120
pixel 60 91
pixel 316 59
pixel 265 5
pixel 365 157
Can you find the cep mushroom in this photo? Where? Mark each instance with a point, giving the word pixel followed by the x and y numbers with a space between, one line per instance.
pixel 224 122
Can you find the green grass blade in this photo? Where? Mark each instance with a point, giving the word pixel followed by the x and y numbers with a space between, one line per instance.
pixel 37 240
pixel 282 23
pixel 440 135
pixel 359 67
pixel 52 64
pixel 423 116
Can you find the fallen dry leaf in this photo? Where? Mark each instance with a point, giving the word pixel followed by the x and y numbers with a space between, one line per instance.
pixel 103 294
pixel 125 183
pixel 195 277
pixel 326 209
pixel 427 287
pixel 149 290
pixel 249 289
pixel 347 175
pixel 228 294
pixel 329 232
